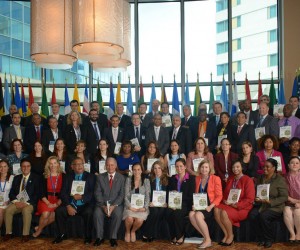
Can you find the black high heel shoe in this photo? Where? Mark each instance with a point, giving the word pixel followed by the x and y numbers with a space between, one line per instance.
pixel 227 244
pixel 181 242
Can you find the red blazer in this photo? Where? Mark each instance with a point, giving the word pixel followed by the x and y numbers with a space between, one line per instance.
pixel 214 188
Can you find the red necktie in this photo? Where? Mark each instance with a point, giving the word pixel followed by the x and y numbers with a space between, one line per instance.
pixel 110 181
pixel 38 134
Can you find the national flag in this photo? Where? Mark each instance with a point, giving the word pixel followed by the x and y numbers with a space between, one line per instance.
pixel 86 103
pixel 223 97
pixel 67 101
pixel 53 98
pixel 281 96
pixel 211 96
pixel 18 99
pixel 129 110
pixel 7 97
pixel 163 97
pixel 235 101
pixel 99 98
pixel 296 85
pixel 2 110
pixel 186 100
pixel 197 99
pixel 247 91
pixel 76 97
pixel 118 95
pixel 141 97
pixel 175 100
pixel 260 93
pixel 30 99
pixel 272 94
pixel 111 106
pixel 44 108
pixel 23 101
pixel 153 95
pixel 12 91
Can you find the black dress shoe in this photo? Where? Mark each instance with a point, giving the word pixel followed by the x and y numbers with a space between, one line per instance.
pixel 261 243
pixel 98 242
pixel 268 244
pixel 113 243
pixel 59 239
pixel 87 241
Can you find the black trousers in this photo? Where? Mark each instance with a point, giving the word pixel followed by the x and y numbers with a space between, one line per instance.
pixel 175 219
pixel 263 223
pixel 85 211
pixel 151 224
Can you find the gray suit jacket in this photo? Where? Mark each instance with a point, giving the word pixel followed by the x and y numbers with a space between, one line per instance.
pixel 271 125
pixel 10 134
pixel 163 139
pixel 103 193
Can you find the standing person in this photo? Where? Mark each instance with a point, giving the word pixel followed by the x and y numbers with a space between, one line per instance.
pixel 7 120
pixel 50 135
pixel 184 183
pixel 249 160
pixel 125 120
pixel 269 210
pixel 33 132
pixel 76 204
pixel 158 182
pixel 134 217
pixel 148 120
pixel 16 147
pixel 101 155
pixel 151 153
pixel 60 151
pixel 60 118
pixel 206 182
pixel 109 196
pixel 173 154
pixel 38 159
pixel 31 184
pixel 229 214
pixel 50 197
pixel 291 212
pixel 6 180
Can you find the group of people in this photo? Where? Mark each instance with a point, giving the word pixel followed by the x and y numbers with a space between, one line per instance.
pixel 152 166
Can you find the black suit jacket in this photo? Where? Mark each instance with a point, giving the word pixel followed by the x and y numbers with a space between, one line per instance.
pixel 47 137
pixel 89 135
pixel 184 137
pixel 163 139
pixel 70 137
pixel 6 121
pixel 88 195
pixel 297 114
pixel 130 134
pixel 270 123
pixel 246 134
pixel 108 135
pixel 190 123
pixel 30 137
pixel 125 121
pixel 33 188
pixel 27 121
pixel 61 122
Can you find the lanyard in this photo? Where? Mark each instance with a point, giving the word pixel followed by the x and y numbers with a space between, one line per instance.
pixel 202 189
pixel 266 157
pixel 235 182
pixel 2 190
pixel 54 185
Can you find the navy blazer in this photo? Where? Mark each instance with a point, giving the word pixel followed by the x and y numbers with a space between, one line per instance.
pixel 130 134
pixel 109 137
pixel 70 137
pixel 87 197
pixel 33 188
pixel 89 135
pixel 30 137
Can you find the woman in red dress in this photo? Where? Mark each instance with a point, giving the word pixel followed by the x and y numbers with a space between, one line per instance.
pixel 229 213
pixel 50 197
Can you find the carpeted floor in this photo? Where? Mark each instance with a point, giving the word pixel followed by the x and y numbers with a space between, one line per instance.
pixel 46 243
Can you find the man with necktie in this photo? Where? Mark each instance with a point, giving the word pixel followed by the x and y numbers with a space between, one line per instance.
pixel 50 135
pixel 33 132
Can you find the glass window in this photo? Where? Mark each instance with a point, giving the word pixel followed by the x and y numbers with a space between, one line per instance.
pixel 4 65
pixel 15 66
pixel 5 26
pixel 272 36
pixel 222 26
pixel 5 8
pixel 221 5
pixel 236 22
pixel 236 44
pixel 222 48
pixel 272 11
pixel 272 60
pixel 17 11
pixel 17 30
pixel 27 15
pixel 26 33
pixel 17 48
pixel 27 69
pixel 235 3
pixel 27 51
pixel 236 66
pixel 159 41
pixel 5 45
pixel 222 69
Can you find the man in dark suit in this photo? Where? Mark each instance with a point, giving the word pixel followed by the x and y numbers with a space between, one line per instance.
pixel 267 121
pixel 28 120
pixel 33 133
pixel 74 107
pixel 60 118
pixel 114 133
pixel 6 120
pixel 159 134
pixel 241 133
pixel 166 116
pixel 188 120
pixel 215 116
pixel 76 203
pixel 29 183
pixel 109 196
pixel 148 121
pixel 294 101
pixel 182 135
pixel 13 132
pixel 102 118
pixel 251 115
pixel 206 128
pixel 125 120
pixel 136 130
pixel 266 99
pixel 50 135
pixel 142 111
pixel 92 132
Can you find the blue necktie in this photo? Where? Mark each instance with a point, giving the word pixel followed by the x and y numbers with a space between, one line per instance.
pixel 286 122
